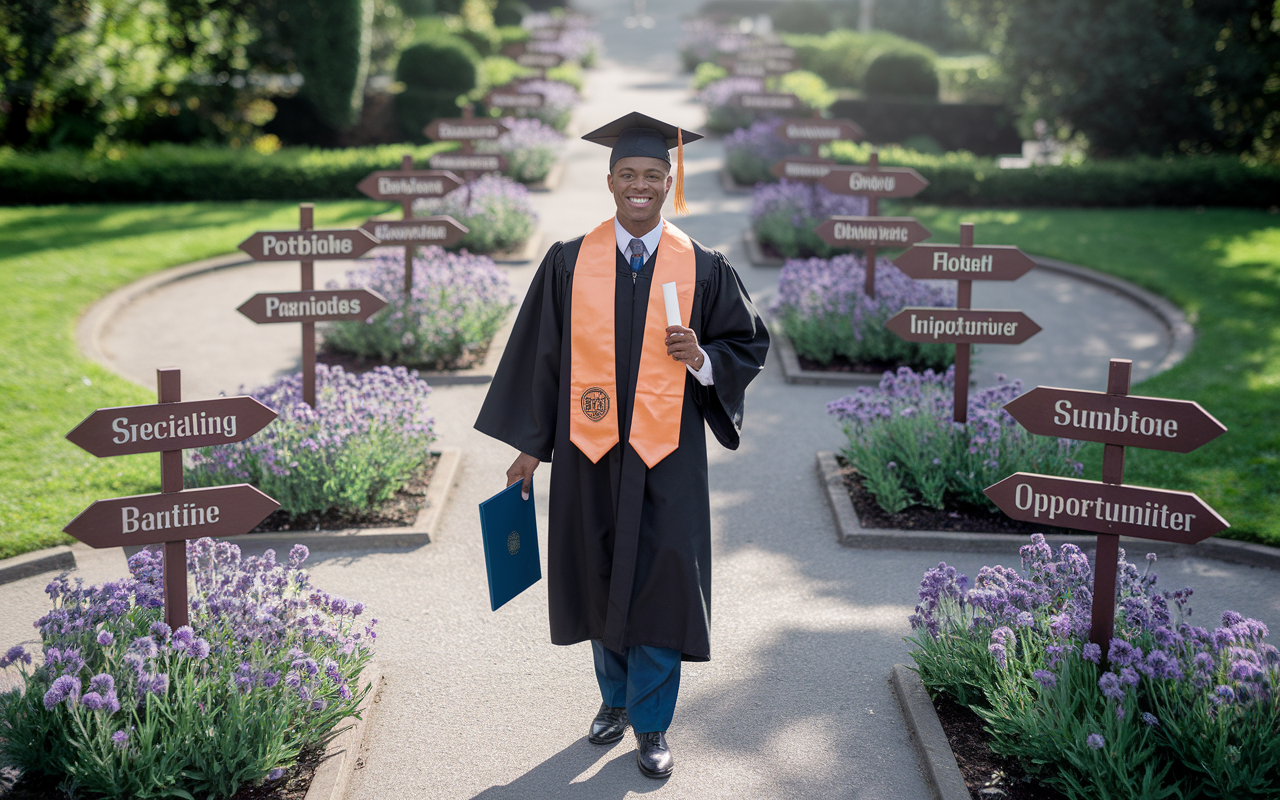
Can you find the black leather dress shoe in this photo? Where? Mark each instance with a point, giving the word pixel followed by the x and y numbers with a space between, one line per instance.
pixel 653 755
pixel 609 725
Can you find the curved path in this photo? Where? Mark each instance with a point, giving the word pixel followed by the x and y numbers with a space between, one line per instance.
pixel 796 701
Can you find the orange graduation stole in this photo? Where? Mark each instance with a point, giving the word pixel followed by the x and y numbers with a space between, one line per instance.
pixel 593 385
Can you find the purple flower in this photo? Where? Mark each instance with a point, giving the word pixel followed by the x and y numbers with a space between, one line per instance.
pixel 160 630
pixel 1109 683
pixel 1122 653
pixel 102 683
pixel 121 739
pixel 1045 678
pixel 183 636
pixel 92 701
pixel 1091 652
pixel 105 638
pixel 1221 695
pixel 297 555
pixel 1149 719
pixel 1095 741
pixel 275 774
pixel 65 687
pixel 998 652
pixel 15 655
pixel 1245 671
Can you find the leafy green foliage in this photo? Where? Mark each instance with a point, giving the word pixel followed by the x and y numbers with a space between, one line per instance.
pixel 331 40
pixel 902 73
pixel 960 178
pixel 1143 76
pixel 436 74
pixel 972 79
pixel 185 172
pixel 842 57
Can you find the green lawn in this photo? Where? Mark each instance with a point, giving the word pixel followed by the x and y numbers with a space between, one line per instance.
pixel 1222 267
pixel 54 262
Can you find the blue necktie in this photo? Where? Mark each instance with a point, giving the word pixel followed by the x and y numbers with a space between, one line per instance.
pixel 637 255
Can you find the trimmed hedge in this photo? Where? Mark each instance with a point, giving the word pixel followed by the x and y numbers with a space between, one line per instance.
pixel 171 172
pixel 962 179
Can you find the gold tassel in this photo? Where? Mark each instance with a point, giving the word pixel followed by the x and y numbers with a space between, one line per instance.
pixel 680 206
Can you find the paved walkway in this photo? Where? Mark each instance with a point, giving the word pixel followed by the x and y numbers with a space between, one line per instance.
pixel 795 702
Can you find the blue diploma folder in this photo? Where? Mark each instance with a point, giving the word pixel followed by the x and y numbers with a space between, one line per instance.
pixel 510 533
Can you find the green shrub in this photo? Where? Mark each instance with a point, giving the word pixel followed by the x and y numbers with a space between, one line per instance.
pixel 706 74
pixel 508 14
pixel 962 179
pixel 331 41
pixel 435 74
pixel 842 57
pixel 171 172
pixel 972 79
pixel 902 73
pixel 810 88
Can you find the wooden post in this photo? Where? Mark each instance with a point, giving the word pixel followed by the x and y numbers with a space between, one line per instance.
pixel 169 390
pixel 964 301
pixel 306 215
pixel 406 205
pixel 1107 558
pixel 873 210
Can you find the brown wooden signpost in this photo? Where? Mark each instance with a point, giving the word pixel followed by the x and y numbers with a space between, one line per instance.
pixel 539 61
pixel 769 101
pixel 406 186
pixel 469 162
pixel 803 168
pixel 465 129
pixel 874 182
pixel 763 52
pixel 870 232
pixel 758 68
pixel 307 246
pixel 963 326
pixel 1109 508
pixel 816 131
pixel 511 97
pixel 174 515
pixel 329 305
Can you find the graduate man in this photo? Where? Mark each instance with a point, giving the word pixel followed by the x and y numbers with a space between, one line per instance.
pixel 594 375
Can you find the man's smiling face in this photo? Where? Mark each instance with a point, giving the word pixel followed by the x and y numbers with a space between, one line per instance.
pixel 639 187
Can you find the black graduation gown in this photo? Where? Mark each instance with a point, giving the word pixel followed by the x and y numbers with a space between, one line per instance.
pixel 629 559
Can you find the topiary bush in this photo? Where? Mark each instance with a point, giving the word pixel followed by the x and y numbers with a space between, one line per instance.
pixel 331 41
pixel 842 57
pixel 435 74
pixel 902 73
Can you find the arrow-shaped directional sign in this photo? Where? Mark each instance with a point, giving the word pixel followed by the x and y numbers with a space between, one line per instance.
pixel 540 60
pixel 328 305
pixel 512 98
pixel 125 430
pixel 407 184
pixel 963 326
pixel 464 130
pixel 875 181
pixel 1155 423
pixel 997 262
pixel 443 230
pixel 770 101
pixel 469 162
pixel 818 131
pixel 1160 514
pixel 153 518
pixel 802 168
pixel 308 245
pixel 871 231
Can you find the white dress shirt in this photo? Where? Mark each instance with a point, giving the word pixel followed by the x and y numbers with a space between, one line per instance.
pixel 704 376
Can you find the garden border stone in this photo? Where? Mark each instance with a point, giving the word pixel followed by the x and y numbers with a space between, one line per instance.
pixel 342 756
pixel 419 533
pixel 50 559
pixel 551 182
pixel 730 184
pixel 756 254
pixel 792 372
pixel 850 533
pixel 940 765
pixel 531 249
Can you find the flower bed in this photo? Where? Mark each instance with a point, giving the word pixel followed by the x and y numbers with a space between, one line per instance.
pixel 559 99
pixel 829 318
pixel 902 441
pixel 1177 710
pixel 750 152
pixel 784 215
pixel 725 115
pixel 362 441
pixel 123 707
pixel 495 208
pixel 459 301
pixel 530 146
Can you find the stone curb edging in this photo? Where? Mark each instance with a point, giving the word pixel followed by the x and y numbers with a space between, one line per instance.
pixel 730 185
pixel 940 765
pixel 1181 332
pixel 50 559
pixel 756 254
pixel 550 183
pixel 343 753
pixel 419 533
pixel 792 372
pixel 849 532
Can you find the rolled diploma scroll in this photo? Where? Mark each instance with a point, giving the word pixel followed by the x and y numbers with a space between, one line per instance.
pixel 673 303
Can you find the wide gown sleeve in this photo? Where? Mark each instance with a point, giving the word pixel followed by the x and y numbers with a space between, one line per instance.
pixel 520 408
pixel 736 341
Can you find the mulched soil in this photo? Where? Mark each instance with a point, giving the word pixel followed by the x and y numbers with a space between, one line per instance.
pixel 842 364
pixel 963 518
pixel 398 511
pixel 293 786
pixel 988 776
pixel 358 365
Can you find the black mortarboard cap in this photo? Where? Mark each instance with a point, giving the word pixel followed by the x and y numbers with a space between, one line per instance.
pixel 636 134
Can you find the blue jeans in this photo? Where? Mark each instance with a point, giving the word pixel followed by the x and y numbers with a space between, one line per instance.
pixel 644 679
